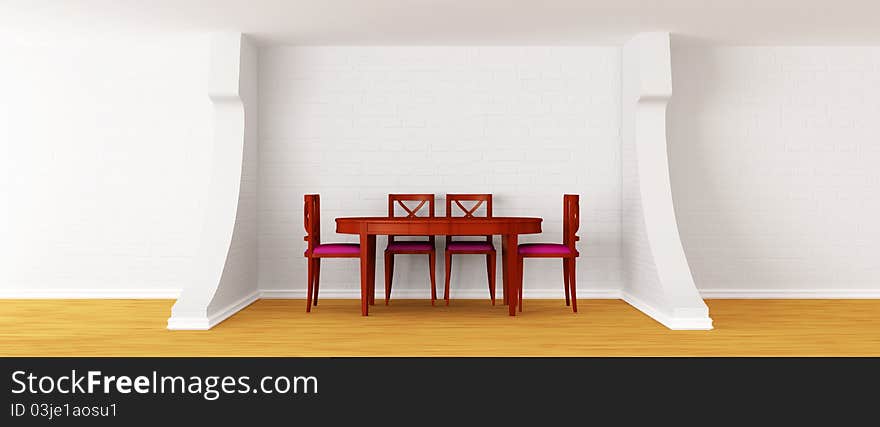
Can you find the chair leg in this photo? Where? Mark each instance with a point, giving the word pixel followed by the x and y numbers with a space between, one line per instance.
pixel 573 284
pixel 317 279
pixel 311 282
pixel 565 277
pixel 519 276
pixel 389 275
pixel 432 258
pixel 490 269
pixel 448 274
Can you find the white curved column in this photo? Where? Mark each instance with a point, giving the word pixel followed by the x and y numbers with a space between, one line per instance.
pixel 657 278
pixel 225 273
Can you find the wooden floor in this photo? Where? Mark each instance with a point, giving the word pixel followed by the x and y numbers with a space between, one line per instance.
pixel 414 328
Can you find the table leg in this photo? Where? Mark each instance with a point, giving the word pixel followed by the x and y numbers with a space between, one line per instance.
pixel 371 277
pixel 510 276
pixel 504 277
pixel 365 273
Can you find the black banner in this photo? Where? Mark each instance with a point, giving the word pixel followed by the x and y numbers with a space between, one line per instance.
pixel 168 391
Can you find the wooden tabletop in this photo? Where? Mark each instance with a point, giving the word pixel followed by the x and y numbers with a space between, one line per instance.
pixel 432 226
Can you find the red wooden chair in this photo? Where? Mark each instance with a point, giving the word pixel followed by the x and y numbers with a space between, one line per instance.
pixel 480 247
pixel 317 250
pixel 418 247
pixel 566 250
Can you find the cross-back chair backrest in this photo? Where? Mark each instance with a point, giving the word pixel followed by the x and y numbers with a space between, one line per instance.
pixel 312 220
pixel 411 210
pixel 571 213
pixel 454 205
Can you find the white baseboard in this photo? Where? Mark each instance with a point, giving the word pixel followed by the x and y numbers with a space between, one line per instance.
pixel 19 293
pixel 209 321
pixel 426 294
pixel 671 322
pixel 790 293
pixel 188 323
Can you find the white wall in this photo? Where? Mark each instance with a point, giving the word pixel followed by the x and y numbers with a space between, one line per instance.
pixel 224 274
pixel 638 268
pixel 774 161
pixel 238 283
pixel 107 143
pixel 657 279
pixel 106 170
pixel 355 123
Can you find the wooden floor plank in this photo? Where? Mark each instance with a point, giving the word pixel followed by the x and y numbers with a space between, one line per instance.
pixel 414 328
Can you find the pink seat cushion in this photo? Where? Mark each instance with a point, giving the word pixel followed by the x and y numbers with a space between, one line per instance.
pixel 469 246
pixel 410 246
pixel 337 249
pixel 543 249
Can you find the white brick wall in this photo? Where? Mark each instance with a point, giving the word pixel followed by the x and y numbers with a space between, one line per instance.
pixel 774 158
pixel 355 123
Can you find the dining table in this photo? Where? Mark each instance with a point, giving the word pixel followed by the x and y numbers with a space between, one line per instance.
pixel 509 228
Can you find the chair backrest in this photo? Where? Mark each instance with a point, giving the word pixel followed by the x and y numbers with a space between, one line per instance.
pixel 453 204
pixel 571 219
pixel 312 220
pixel 411 210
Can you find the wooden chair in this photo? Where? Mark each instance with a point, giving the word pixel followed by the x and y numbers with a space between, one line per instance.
pixel 317 250
pixel 566 250
pixel 480 247
pixel 418 247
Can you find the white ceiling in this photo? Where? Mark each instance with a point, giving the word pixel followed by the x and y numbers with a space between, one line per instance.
pixel 445 22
